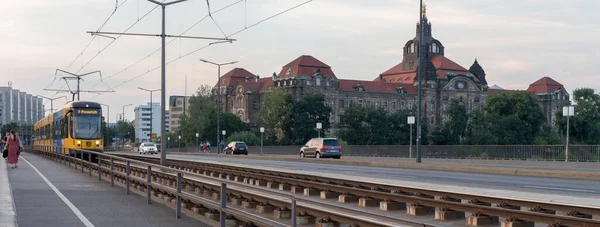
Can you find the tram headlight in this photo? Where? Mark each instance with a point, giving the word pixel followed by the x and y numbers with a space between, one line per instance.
pixel 79 142
pixel 97 142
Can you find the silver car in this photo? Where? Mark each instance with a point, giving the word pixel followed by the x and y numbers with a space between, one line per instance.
pixel 148 148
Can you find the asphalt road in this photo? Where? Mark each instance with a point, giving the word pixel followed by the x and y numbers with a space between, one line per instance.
pixel 578 188
pixel 38 205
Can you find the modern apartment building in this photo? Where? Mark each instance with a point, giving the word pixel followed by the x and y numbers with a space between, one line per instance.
pixel 177 105
pixel 147 121
pixel 19 107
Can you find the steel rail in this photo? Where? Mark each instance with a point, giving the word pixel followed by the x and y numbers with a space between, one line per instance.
pixel 260 194
pixel 412 195
pixel 338 214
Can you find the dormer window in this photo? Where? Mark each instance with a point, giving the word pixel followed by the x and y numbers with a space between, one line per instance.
pixel 401 90
pixel 359 87
pixel 289 70
pixel 284 83
pixel 434 48
pixel 411 48
pixel 318 81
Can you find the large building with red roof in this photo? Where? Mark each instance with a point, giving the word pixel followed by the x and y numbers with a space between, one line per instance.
pixel 394 89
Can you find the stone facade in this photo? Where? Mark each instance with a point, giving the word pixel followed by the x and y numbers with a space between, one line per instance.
pixel 443 80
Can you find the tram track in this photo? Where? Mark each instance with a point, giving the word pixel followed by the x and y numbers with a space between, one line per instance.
pixel 415 201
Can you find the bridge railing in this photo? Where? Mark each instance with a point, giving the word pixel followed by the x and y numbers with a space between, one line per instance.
pixel 578 153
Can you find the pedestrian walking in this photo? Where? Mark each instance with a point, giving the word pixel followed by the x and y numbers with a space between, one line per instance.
pixel 208 146
pixel 201 146
pixel 14 146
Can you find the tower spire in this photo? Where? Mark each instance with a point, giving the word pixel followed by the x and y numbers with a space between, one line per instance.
pixel 424 11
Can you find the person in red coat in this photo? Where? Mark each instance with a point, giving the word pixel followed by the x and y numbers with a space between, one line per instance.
pixel 14 143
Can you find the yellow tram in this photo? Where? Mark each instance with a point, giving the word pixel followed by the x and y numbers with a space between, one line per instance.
pixel 77 125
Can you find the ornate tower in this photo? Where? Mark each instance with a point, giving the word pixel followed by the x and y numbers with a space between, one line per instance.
pixel 434 47
pixel 478 71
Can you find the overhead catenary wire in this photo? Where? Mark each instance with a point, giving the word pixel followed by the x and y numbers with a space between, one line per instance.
pixel 117 6
pixel 168 42
pixel 206 46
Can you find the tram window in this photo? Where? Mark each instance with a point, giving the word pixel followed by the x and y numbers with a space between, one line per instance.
pixel 63 128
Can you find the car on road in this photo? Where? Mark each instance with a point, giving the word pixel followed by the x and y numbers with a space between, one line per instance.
pixel 236 147
pixel 322 148
pixel 148 148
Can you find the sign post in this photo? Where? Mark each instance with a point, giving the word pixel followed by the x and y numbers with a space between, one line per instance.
pixel 197 144
pixel 411 121
pixel 222 144
pixel 262 130
pixel 319 127
pixel 568 111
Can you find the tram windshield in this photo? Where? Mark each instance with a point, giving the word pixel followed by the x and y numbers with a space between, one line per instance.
pixel 87 127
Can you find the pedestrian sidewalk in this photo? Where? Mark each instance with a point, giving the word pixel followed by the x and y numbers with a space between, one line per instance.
pixel 8 215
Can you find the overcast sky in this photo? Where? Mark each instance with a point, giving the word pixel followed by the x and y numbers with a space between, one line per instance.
pixel 516 41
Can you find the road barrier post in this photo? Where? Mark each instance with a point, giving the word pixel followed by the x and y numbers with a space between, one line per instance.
pixel 223 203
pixel 99 168
pixel 112 172
pixel 179 183
pixel 90 164
pixel 127 176
pixel 149 184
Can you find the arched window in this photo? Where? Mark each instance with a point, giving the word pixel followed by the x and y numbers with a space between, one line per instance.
pixel 318 82
pixel 327 83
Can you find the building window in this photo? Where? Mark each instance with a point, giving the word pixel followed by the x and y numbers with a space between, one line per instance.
pixel 308 83
pixel 393 105
pixel 254 104
pixel 385 105
pixel 288 71
pixel 351 102
pixel 341 103
pixel 318 82
pixel 411 48
pixel 327 83
pixel 434 48
pixel 284 83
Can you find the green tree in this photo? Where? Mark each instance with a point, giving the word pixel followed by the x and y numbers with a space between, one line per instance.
pixel 124 130
pixel 202 119
pixel 365 125
pixel 480 129
pixel 457 124
pixel 198 118
pixel 516 117
pixel 306 112
pixel 250 138
pixel 585 125
pixel 399 129
pixel 275 110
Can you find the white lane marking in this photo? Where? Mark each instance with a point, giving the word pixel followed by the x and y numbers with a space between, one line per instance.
pixel 78 213
pixel 561 189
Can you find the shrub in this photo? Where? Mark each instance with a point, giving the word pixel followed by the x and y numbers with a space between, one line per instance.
pixel 247 136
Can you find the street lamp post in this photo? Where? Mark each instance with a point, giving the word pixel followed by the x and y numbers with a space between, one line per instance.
pixel 151 108
pixel 123 113
pixel 107 121
pixel 568 111
pixel 222 141
pixel 262 130
pixel 197 144
pixel 411 121
pixel 218 94
pixel 319 126
pixel 421 48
